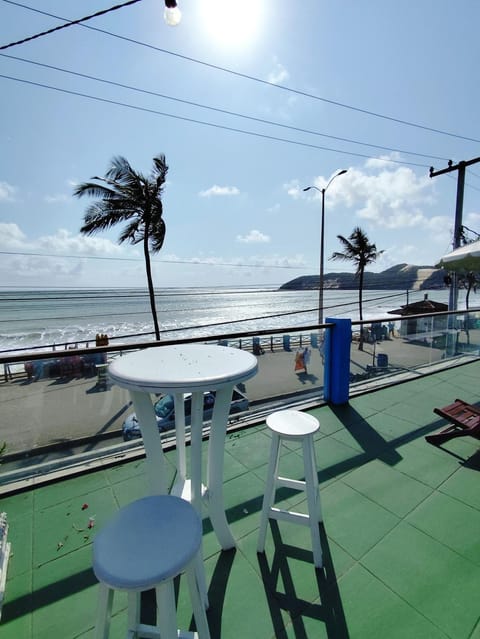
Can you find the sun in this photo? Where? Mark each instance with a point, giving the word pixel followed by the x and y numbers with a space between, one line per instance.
pixel 231 23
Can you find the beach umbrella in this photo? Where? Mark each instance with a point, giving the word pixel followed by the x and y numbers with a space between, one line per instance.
pixel 464 258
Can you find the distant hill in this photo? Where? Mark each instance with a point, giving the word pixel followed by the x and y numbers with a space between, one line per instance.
pixel 399 277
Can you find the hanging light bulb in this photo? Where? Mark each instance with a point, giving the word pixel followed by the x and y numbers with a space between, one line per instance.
pixel 172 14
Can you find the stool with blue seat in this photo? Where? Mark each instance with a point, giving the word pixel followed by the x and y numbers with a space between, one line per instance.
pixel 293 426
pixel 146 545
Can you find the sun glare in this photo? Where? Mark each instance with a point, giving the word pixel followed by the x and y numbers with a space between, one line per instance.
pixel 231 22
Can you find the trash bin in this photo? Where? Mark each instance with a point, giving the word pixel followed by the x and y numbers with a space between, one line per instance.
pixel 286 342
pixel 382 360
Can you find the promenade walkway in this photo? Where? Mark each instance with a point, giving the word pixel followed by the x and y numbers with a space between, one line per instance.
pixel 62 411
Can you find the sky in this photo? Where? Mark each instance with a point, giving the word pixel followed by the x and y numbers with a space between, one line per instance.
pixel 250 102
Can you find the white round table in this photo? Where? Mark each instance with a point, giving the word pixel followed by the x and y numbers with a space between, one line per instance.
pixel 179 369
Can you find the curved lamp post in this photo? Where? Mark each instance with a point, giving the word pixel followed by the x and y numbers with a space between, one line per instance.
pixel 322 241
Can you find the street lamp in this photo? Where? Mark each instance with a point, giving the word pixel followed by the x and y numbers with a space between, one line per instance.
pixel 322 241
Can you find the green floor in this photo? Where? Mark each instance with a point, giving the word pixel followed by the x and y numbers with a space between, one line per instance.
pixel 401 535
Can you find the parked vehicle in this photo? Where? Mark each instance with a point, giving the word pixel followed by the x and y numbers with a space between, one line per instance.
pixel 165 412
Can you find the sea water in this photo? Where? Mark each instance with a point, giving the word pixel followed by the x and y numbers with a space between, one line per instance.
pixel 46 317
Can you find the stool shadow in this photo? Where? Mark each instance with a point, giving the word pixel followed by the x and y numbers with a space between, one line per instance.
pixel 217 591
pixel 329 610
pixel 216 596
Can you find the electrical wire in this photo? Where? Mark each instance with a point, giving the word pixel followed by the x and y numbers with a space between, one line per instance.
pixel 391 282
pixel 204 123
pixel 135 259
pixel 64 26
pixel 217 109
pixel 196 326
pixel 246 76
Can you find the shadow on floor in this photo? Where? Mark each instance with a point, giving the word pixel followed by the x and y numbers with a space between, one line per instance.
pixel 329 609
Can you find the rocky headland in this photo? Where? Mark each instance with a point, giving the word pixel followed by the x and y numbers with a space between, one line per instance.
pixel 399 277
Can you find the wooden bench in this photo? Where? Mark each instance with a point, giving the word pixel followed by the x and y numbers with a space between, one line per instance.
pixel 464 421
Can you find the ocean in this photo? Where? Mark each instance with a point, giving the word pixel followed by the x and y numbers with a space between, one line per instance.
pixel 42 318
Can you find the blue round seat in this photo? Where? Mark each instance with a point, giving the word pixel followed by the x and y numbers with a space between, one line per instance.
pixel 146 545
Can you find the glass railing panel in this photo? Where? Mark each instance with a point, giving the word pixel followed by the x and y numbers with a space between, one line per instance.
pixel 412 344
pixel 289 366
pixel 61 405
pixel 467 333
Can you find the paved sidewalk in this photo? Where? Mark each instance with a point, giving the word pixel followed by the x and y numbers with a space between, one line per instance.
pixel 57 411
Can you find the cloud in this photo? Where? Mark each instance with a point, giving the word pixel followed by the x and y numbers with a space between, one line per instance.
pixel 383 160
pixel 7 192
pixel 219 190
pixel 11 236
pixel 298 261
pixel 472 221
pixel 64 242
pixel 55 258
pixel 279 74
pixel 294 189
pixel 274 208
pixel 393 198
pixel 61 243
pixel 58 198
pixel 253 237
pixel 390 197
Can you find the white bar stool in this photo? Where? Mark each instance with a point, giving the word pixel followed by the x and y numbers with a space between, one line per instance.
pixel 146 545
pixel 293 425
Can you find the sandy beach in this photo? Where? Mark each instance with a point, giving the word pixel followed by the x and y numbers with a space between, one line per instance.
pixel 35 414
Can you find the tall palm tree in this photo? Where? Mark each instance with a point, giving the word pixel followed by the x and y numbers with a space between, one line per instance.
pixel 469 281
pixel 125 195
pixel 359 250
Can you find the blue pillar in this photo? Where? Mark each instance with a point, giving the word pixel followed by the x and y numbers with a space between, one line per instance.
pixel 337 360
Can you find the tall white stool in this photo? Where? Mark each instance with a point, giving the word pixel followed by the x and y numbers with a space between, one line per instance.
pixel 293 425
pixel 146 545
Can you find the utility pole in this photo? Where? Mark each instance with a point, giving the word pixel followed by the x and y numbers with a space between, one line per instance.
pixel 457 230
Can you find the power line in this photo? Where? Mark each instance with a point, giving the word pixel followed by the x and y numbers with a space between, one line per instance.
pixel 183 328
pixel 134 259
pixel 217 109
pixel 133 295
pixel 203 122
pixel 251 78
pixel 470 186
pixel 63 26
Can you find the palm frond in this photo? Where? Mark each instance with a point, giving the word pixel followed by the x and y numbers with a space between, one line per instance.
pixel 98 219
pixel 160 170
pixel 92 189
pixel 133 232
pixel 119 168
pixel 358 249
pixel 157 236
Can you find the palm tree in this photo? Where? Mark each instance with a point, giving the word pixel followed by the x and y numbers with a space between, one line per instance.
pixel 359 250
pixel 469 281
pixel 125 195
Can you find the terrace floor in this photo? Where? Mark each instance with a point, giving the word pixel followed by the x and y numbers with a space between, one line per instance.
pixel 401 533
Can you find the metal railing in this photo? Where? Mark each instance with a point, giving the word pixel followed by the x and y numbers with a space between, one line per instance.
pixel 59 407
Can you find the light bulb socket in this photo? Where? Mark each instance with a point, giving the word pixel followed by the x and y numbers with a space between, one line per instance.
pixel 172 14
